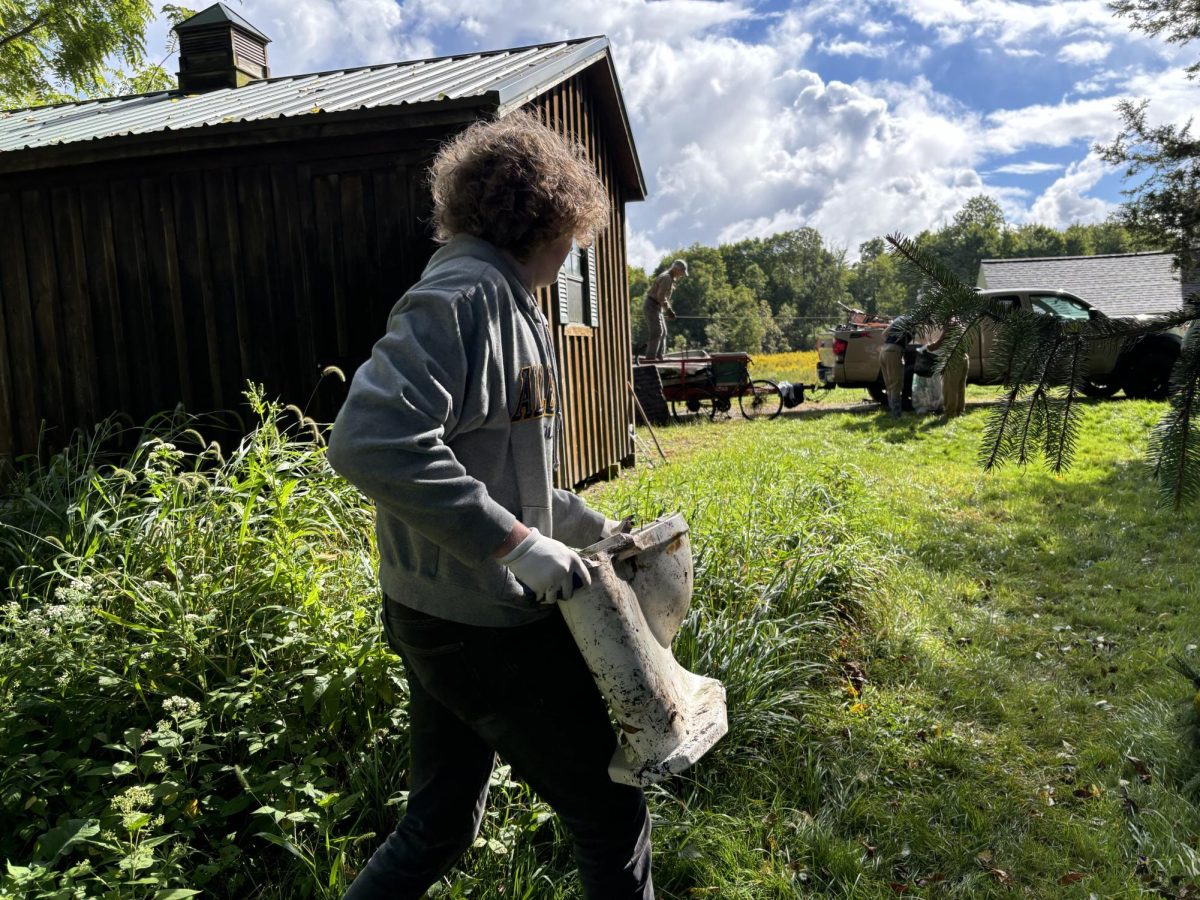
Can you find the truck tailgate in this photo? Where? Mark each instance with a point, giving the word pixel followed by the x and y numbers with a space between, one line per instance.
pixel 825 348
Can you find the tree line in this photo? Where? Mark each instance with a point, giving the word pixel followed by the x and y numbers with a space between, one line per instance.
pixel 774 294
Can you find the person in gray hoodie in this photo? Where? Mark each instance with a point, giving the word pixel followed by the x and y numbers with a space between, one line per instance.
pixel 451 427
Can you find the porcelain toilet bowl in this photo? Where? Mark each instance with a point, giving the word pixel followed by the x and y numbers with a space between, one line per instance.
pixel 624 623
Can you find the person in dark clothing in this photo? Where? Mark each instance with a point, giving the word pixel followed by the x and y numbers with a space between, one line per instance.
pixel 451 428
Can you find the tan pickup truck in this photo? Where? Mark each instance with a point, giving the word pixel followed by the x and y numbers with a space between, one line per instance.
pixel 848 355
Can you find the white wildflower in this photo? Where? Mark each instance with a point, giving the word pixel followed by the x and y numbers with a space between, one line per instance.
pixel 181 708
pixel 79 591
pixel 131 802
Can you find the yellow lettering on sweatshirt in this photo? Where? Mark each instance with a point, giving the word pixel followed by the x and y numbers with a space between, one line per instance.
pixel 537 398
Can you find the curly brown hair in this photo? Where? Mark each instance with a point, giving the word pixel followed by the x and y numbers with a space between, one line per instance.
pixel 518 185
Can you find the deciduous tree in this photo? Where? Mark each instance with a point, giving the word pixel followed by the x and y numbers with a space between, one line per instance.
pixel 875 282
pixel 697 294
pixel 639 281
pixel 57 50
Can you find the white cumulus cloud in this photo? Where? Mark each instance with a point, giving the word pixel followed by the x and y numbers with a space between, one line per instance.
pixel 741 133
pixel 1066 202
pixel 1084 52
pixel 839 46
pixel 1028 168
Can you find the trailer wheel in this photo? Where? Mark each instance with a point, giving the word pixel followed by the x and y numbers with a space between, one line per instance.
pixel 764 399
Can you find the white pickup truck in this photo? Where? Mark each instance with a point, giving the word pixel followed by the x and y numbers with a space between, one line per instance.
pixel 848 355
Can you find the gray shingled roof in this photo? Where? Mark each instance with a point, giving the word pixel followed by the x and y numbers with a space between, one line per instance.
pixel 506 76
pixel 1119 284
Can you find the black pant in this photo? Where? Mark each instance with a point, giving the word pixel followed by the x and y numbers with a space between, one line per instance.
pixel 525 693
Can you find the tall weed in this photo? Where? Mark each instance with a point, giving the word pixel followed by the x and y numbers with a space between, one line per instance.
pixel 193 697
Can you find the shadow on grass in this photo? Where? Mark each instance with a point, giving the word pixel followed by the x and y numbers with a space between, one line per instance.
pixel 816 410
pixel 910 425
pixel 1072 517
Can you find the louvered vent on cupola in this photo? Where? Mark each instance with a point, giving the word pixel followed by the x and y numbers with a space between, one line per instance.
pixel 220 49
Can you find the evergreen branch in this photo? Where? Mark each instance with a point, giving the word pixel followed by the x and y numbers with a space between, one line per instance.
pixel 949 296
pixel 1060 443
pixel 994 452
pixel 997 434
pixel 1031 407
pixel 1042 362
pixel 1104 328
pixel 991 454
pixel 956 340
pixel 1016 356
pixel 1036 417
pixel 1175 443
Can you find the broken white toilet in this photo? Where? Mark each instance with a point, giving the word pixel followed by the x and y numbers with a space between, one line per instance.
pixel 624 623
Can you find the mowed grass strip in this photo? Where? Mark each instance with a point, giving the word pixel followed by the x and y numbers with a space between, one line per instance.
pixel 999 716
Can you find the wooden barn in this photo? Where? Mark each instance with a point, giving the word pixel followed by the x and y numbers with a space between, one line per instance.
pixel 169 247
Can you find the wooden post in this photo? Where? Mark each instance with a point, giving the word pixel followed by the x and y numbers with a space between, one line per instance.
pixel 638 403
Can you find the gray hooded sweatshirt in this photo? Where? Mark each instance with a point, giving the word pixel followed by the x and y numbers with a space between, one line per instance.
pixel 450 427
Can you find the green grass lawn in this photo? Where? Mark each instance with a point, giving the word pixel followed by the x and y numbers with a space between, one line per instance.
pixel 940 682
pixel 1001 716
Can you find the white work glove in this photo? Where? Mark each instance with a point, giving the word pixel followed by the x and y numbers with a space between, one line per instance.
pixel 547 567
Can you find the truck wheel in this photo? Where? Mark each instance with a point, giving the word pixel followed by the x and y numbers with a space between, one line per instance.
pixel 878 393
pixel 1148 365
pixel 1101 389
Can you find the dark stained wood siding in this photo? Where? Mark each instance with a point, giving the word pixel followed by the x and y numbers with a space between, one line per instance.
pixel 595 361
pixel 135 285
pixel 139 286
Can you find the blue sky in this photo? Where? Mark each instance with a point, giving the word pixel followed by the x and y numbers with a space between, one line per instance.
pixel 856 117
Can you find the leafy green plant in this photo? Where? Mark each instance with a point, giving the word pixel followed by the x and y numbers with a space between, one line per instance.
pixel 193 696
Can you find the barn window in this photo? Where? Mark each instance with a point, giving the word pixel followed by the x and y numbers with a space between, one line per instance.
pixel 578 288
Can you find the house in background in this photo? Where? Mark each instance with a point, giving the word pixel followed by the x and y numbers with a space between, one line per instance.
pixel 1118 284
pixel 169 247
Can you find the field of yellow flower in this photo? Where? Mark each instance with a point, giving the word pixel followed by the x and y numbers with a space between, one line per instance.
pixel 799 367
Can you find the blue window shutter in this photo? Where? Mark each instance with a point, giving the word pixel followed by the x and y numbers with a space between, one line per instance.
pixel 593 286
pixel 564 309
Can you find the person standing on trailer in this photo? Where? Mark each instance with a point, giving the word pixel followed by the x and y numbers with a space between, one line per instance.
pixel 657 308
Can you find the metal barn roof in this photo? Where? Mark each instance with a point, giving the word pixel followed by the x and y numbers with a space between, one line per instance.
pixel 1119 284
pixel 508 76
